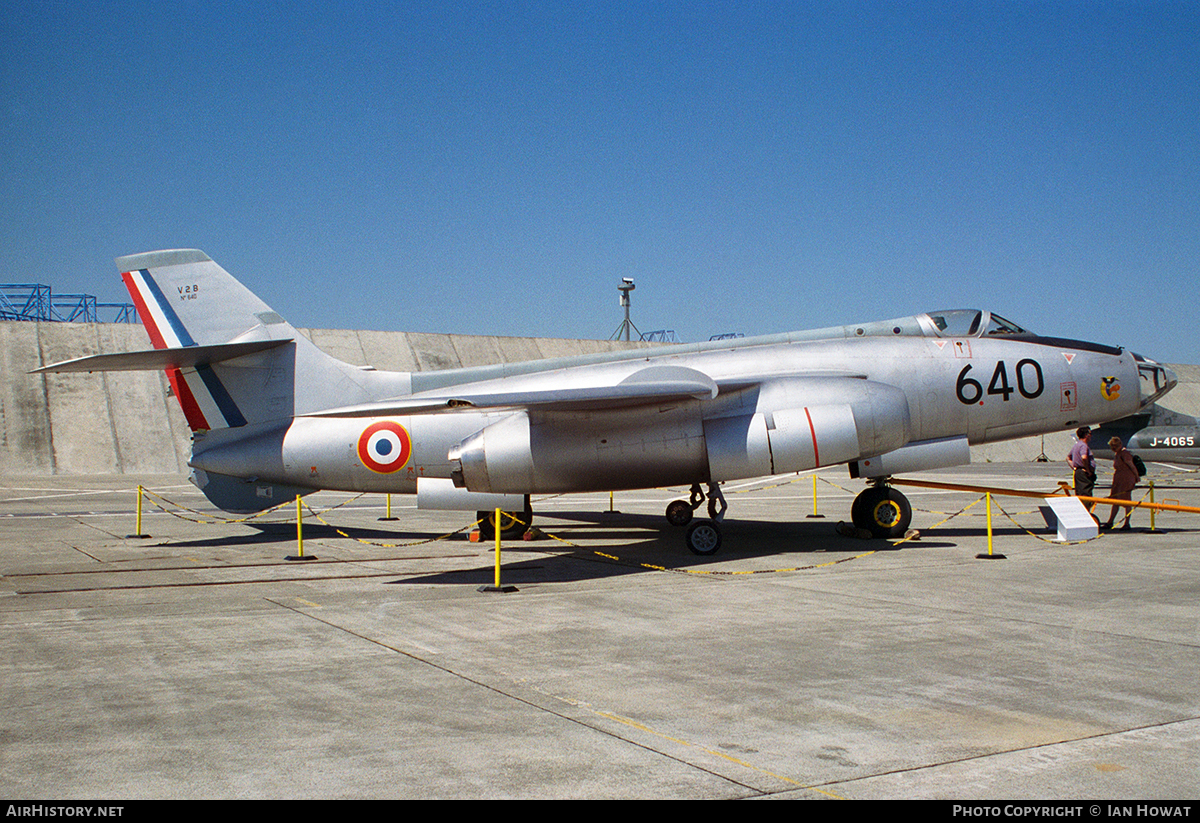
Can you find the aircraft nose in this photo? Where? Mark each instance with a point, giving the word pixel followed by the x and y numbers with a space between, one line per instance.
pixel 1154 378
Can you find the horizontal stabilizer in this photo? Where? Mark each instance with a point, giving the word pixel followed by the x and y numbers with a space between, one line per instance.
pixel 662 384
pixel 155 359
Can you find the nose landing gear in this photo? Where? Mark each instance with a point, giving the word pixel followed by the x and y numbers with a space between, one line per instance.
pixel 704 537
pixel 679 512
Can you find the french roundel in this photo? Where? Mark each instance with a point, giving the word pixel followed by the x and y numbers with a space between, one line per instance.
pixel 384 447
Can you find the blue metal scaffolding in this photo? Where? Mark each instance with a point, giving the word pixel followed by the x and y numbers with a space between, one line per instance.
pixel 661 336
pixel 35 301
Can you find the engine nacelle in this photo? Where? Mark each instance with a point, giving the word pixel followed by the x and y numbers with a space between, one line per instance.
pixel 606 450
pixel 500 457
pixel 783 441
pixel 806 423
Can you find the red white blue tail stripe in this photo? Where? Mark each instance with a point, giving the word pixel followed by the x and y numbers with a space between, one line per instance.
pixel 205 401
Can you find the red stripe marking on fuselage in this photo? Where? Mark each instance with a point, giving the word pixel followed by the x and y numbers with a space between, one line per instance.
pixel 187 401
pixel 156 338
pixel 813 430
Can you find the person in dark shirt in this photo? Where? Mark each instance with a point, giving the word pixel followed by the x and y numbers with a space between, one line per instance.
pixel 1083 463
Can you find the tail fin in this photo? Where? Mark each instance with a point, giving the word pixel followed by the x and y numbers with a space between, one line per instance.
pixel 188 302
pixel 185 299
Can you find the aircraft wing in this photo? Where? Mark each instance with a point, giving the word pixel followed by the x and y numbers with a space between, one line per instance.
pixel 655 384
pixel 156 359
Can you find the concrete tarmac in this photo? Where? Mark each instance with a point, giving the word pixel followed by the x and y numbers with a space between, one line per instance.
pixel 795 663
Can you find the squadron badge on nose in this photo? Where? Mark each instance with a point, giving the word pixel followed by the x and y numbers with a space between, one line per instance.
pixel 1110 387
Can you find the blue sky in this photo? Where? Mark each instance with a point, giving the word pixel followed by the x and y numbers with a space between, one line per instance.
pixel 497 168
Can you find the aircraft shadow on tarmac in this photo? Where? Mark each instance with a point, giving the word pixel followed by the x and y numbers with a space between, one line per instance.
pixel 270 533
pixel 639 543
pixel 644 544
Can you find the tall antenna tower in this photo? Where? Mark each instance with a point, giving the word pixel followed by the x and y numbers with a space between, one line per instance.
pixel 622 332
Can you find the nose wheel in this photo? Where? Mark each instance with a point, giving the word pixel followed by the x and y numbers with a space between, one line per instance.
pixel 703 538
pixel 680 512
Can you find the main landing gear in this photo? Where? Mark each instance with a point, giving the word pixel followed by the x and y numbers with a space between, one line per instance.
pixel 513 525
pixel 703 537
pixel 881 510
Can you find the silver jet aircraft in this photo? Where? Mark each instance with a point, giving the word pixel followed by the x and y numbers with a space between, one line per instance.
pixel 273 416
pixel 1167 444
pixel 1157 434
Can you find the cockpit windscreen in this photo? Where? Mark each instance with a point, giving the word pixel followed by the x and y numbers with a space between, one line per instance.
pixel 968 323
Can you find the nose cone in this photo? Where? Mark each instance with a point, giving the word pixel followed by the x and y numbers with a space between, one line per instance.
pixel 1155 379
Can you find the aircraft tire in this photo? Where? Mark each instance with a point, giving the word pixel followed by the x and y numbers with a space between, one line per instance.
pixel 883 511
pixel 513 525
pixel 679 513
pixel 703 538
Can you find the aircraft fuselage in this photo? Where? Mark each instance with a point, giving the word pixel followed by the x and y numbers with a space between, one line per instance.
pixel 904 390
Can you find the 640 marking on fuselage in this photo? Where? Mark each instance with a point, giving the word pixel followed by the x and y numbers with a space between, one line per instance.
pixel 970 391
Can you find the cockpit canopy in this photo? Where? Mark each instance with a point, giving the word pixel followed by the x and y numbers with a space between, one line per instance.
pixel 945 323
pixel 969 323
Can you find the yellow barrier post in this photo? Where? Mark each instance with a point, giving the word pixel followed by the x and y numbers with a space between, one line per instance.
pixel 1153 529
pixel 138 527
pixel 612 509
pixel 496 587
pixel 300 555
pixel 388 515
pixel 815 514
pixel 990 554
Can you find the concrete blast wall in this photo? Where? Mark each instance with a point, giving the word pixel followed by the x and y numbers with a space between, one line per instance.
pixel 127 422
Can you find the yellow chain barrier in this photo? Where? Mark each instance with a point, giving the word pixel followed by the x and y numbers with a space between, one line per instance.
pixel 317 515
pixel 212 519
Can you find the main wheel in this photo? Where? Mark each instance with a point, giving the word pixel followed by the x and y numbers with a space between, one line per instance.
pixel 883 511
pixel 703 538
pixel 512 524
pixel 679 513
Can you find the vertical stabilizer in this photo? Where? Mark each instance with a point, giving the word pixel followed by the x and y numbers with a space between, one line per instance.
pixel 186 300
